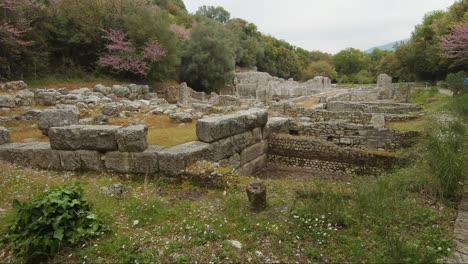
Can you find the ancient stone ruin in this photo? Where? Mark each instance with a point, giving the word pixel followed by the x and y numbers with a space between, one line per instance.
pixel 271 122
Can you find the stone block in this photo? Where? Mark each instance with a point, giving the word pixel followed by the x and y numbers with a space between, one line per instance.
pixel 134 162
pixel 215 128
pixel 253 152
pixel 233 161
pixel 7 101
pixel 174 160
pixel 254 166
pixel 277 125
pixel 45 98
pixel 76 137
pixel 222 149
pixel 57 118
pixel 132 138
pixel 4 135
pixel 90 160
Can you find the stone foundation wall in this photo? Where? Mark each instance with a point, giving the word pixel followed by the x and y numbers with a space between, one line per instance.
pixel 238 140
pixel 296 151
pixel 372 107
pixel 355 135
pixel 320 115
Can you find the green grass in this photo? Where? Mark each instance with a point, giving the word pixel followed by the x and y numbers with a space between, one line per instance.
pixel 162 131
pixel 404 216
pixel 363 220
pixel 432 102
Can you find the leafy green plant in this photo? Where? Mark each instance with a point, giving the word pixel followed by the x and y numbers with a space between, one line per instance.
pixel 62 217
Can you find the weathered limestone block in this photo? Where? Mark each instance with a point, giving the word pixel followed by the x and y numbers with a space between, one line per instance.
pixel 34 155
pixel 45 98
pixel 24 98
pixel 57 118
pixel 181 117
pixel 257 195
pixel 134 162
pixel 4 135
pixel 84 137
pixel 253 152
pixel 254 166
pixel 132 138
pixel 120 91
pixel 99 88
pixel 174 160
pixel 222 149
pixel 7 101
pixel 15 85
pixel 276 125
pixel 111 109
pixel 215 128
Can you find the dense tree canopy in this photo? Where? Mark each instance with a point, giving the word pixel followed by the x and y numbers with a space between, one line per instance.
pixel 208 59
pixel 39 37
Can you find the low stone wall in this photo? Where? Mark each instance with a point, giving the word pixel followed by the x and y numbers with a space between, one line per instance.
pixel 306 152
pixel 320 115
pixel 372 107
pixel 355 135
pixel 238 140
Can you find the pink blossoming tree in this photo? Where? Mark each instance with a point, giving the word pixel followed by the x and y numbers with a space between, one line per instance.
pixel 123 56
pixel 455 46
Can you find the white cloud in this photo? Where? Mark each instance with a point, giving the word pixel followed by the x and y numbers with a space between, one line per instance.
pixel 331 25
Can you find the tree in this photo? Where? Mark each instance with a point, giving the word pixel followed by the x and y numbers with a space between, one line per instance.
pixel 21 47
pixel 319 68
pixel 208 59
pixel 455 47
pixel 390 65
pixel 123 56
pixel 215 13
pixel 143 25
pixel 350 61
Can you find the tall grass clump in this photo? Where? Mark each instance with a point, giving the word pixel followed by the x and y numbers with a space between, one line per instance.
pixel 446 157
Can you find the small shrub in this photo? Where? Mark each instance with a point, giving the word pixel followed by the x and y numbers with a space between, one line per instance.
pixel 455 81
pixel 62 217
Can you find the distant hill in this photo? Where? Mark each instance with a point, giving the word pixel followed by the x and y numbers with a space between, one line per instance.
pixel 389 46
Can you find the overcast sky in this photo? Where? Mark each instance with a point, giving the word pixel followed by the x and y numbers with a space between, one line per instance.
pixel 331 25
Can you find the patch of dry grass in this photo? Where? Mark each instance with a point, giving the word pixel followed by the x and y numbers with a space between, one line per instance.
pixel 162 131
pixel 25 131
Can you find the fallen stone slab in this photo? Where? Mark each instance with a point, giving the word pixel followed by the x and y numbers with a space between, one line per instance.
pixel 215 128
pixel 99 137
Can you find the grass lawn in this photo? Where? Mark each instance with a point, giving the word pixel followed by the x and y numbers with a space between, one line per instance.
pixel 360 220
pixel 162 131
